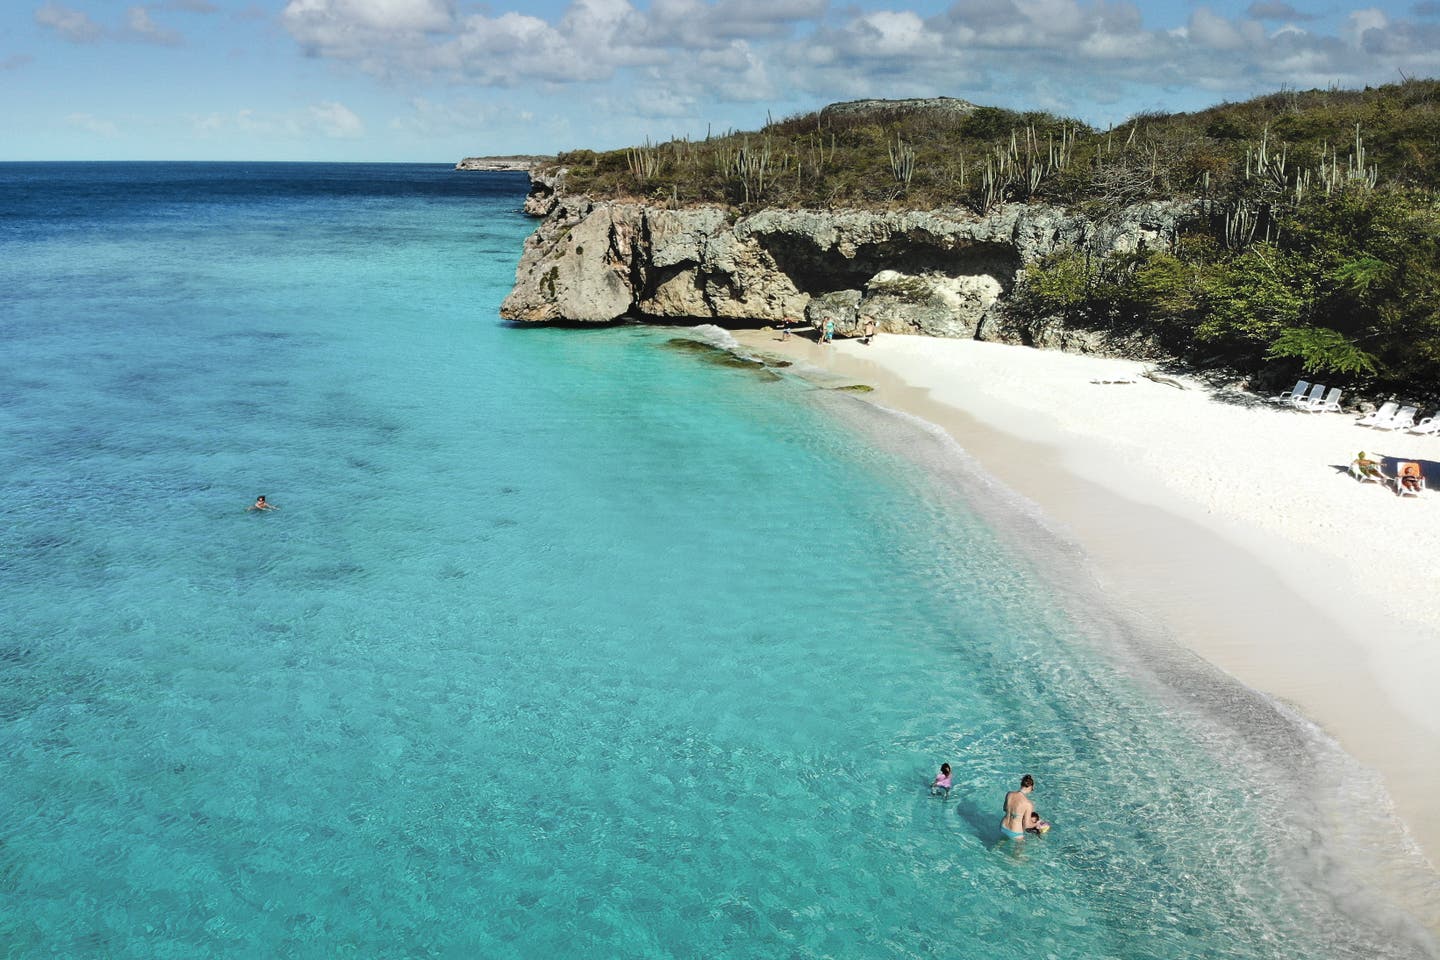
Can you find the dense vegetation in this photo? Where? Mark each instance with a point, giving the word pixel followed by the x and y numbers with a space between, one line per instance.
pixel 1315 245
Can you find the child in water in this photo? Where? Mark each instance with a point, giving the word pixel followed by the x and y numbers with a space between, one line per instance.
pixel 1036 825
pixel 941 786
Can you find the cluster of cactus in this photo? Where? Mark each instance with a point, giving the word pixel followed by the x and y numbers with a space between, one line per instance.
pixel 816 155
pixel 644 162
pixel 685 152
pixel 1270 169
pixel 1242 224
pixel 902 162
pixel 1263 165
pixel 1357 172
pixel 1015 172
pixel 755 168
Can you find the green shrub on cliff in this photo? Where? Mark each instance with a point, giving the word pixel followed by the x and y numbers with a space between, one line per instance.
pixel 1350 289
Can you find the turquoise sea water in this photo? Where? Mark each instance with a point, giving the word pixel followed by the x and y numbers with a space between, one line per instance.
pixel 562 642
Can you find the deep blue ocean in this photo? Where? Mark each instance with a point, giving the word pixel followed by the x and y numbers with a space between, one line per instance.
pixel 562 642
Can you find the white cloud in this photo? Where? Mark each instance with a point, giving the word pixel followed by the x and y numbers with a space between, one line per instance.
pixel 73 25
pixel 679 54
pixel 1364 21
pixel 1211 30
pixel 337 120
pixel 137 23
pixel 93 125
pixel 394 16
pixel 328 119
pixel 141 27
pixel 428 119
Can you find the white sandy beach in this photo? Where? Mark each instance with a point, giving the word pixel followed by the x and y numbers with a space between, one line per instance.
pixel 1234 523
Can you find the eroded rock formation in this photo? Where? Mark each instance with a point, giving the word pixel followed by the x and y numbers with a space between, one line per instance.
pixel 941 273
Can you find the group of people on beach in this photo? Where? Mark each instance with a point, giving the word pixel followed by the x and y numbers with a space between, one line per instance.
pixel 1408 478
pixel 825 332
pixel 1020 815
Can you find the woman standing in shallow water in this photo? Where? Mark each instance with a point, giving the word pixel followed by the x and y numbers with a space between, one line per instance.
pixel 1018 809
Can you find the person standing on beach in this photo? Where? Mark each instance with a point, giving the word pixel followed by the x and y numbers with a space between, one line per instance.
pixel 1018 809
pixel 785 329
pixel 869 331
pixel 829 331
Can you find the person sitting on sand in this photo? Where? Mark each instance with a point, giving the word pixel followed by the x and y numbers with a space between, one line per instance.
pixel 261 504
pixel 1368 469
pixel 1036 825
pixel 941 785
pixel 1018 809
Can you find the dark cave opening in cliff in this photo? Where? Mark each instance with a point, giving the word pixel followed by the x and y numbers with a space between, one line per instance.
pixel 817 270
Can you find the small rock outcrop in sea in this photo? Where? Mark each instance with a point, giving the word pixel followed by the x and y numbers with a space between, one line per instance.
pixel 938 272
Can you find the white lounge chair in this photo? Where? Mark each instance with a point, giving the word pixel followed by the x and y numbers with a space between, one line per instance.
pixel 1409 470
pixel 1386 413
pixel 1427 427
pixel 1295 393
pixel 1331 403
pixel 1316 393
pixel 1403 420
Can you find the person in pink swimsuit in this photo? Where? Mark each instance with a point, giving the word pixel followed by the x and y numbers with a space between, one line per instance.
pixel 941 786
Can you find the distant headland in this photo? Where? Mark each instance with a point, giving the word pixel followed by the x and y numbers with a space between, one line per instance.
pixel 520 163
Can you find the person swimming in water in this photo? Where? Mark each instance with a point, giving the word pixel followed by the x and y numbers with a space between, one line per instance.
pixel 1018 809
pixel 1035 825
pixel 941 786
pixel 261 504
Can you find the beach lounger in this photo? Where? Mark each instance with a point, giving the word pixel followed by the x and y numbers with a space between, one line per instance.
pixel 1385 413
pixel 1295 393
pixel 1403 420
pixel 1331 403
pixel 1317 393
pixel 1378 475
pixel 1427 427
pixel 1409 470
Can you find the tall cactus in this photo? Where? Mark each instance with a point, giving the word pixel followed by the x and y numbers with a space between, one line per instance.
pixel 902 162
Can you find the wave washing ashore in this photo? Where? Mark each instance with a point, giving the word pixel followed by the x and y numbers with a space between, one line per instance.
pixel 560 642
pixel 1232 520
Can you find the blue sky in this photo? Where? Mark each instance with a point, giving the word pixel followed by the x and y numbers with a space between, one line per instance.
pixel 435 80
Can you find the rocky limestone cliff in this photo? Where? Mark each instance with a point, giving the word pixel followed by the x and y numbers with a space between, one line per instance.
pixel 515 163
pixel 938 106
pixel 939 272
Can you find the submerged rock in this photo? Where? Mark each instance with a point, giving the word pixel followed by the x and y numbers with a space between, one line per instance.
pixel 719 356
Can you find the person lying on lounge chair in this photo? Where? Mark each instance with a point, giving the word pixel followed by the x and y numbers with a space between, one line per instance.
pixel 1409 478
pixel 1367 469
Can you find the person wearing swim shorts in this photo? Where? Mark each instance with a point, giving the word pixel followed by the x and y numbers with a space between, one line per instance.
pixel 1018 809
